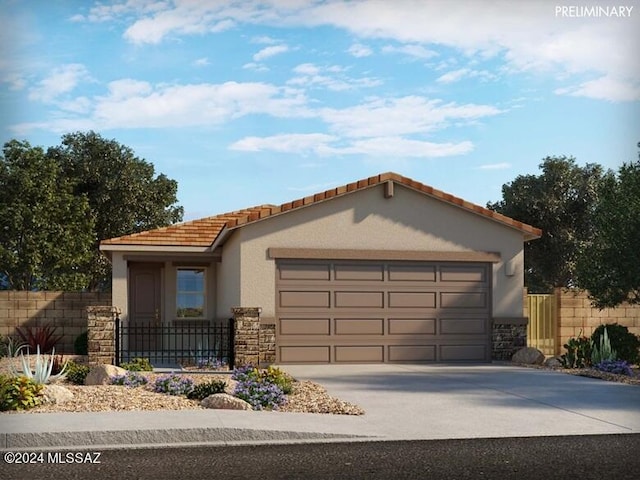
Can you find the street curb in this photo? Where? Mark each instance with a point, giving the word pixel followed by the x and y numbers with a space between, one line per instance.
pixel 121 438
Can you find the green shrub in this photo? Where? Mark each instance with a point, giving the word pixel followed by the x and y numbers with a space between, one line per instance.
pixel 602 351
pixel 76 373
pixel 203 390
pixel 138 365
pixel 578 353
pixel 18 393
pixel 81 344
pixel 625 343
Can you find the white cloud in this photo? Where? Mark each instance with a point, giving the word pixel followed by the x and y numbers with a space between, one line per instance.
pixel 495 166
pixel 290 143
pixel 258 67
pixel 381 117
pixel 605 88
pixel 321 144
pixel 61 80
pixel 270 52
pixel 359 50
pixel 459 74
pixel 201 62
pixel 412 50
pixel 264 39
pixel 331 78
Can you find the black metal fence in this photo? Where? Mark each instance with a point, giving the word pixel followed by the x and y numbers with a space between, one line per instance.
pixel 207 345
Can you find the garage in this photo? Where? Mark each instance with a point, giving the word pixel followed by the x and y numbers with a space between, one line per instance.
pixel 359 311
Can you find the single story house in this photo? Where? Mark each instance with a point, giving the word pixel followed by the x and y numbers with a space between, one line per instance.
pixel 385 269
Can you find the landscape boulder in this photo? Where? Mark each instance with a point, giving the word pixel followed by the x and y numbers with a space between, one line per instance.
pixel 553 362
pixel 56 394
pixel 101 374
pixel 225 401
pixel 528 356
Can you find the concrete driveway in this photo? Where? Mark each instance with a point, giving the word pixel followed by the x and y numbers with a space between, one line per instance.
pixel 473 401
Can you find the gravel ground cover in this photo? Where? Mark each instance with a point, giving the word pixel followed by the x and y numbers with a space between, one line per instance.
pixel 306 397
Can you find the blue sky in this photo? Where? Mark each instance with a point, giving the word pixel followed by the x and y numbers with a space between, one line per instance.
pixel 251 102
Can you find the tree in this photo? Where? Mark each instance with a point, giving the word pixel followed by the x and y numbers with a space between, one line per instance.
pixel 123 192
pixel 45 230
pixel 610 267
pixel 560 201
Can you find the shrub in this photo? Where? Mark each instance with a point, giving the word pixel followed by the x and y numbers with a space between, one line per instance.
pixel 18 393
pixel 43 337
pixel 129 379
pixel 619 367
pixel 578 353
pixel 210 364
pixel 173 385
pixel 602 351
pixel 138 365
pixel 203 390
pixel 9 346
pixel 76 373
pixel 245 373
pixel 625 343
pixel 81 344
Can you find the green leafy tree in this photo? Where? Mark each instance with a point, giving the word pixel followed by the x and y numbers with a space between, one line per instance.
pixel 560 201
pixel 610 267
pixel 45 230
pixel 124 194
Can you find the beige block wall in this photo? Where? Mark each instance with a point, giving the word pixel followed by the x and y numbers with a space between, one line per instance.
pixel 66 311
pixel 366 220
pixel 576 315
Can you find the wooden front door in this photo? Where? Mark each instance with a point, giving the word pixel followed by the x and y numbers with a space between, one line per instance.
pixel 144 308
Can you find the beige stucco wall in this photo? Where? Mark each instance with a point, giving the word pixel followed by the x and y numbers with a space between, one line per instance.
pixel 366 220
pixel 228 278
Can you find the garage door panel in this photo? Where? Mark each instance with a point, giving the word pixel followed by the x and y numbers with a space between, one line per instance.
pixel 463 353
pixel 311 354
pixel 292 299
pixel 359 272
pixel 412 326
pixel 358 353
pixel 413 273
pixel 467 274
pixel 304 326
pixel 412 300
pixel 359 299
pixel 463 300
pixel 412 353
pixel 462 326
pixel 303 271
pixel 359 326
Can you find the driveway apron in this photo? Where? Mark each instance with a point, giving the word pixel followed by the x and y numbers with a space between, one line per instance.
pixel 477 401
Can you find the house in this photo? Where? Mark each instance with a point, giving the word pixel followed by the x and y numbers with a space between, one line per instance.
pixel 385 269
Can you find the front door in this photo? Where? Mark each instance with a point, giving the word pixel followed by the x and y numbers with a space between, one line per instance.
pixel 144 309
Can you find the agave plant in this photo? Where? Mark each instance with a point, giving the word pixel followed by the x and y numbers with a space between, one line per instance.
pixel 42 368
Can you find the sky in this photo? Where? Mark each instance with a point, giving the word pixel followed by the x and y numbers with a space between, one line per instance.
pixel 253 102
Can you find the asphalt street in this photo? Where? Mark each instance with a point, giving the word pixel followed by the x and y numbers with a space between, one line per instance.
pixel 583 457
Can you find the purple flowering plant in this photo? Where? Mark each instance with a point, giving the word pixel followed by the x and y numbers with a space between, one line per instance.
pixel 619 367
pixel 173 384
pixel 257 390
pixel 130 379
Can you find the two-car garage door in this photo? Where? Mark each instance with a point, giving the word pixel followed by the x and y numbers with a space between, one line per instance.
pixel 374 311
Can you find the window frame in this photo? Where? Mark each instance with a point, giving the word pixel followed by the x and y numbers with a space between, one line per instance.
pixel 203 292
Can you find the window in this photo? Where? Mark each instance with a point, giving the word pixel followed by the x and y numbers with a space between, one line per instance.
pixel 190 293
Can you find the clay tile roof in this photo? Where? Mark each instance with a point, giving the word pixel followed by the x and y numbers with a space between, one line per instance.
pixel 203 232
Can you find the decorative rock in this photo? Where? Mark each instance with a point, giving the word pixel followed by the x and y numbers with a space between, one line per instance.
pixel 225 401
pixel 100 374
pixel 553 362
pixel 528 356
pixel 56 394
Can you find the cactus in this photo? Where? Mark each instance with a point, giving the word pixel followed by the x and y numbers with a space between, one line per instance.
pixel 602 352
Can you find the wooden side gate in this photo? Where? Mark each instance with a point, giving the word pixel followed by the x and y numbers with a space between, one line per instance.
pixel 542 330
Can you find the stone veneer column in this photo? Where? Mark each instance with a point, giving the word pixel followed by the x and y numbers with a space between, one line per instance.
pixel 508 336
pixel 247 335
pixel 101 327
pixel 267 344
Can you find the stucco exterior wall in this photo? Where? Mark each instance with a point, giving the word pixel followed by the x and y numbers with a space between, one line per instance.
pixel 366 220
pixel 228 278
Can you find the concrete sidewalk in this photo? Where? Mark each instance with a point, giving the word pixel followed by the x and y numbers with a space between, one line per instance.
pixel 402 402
